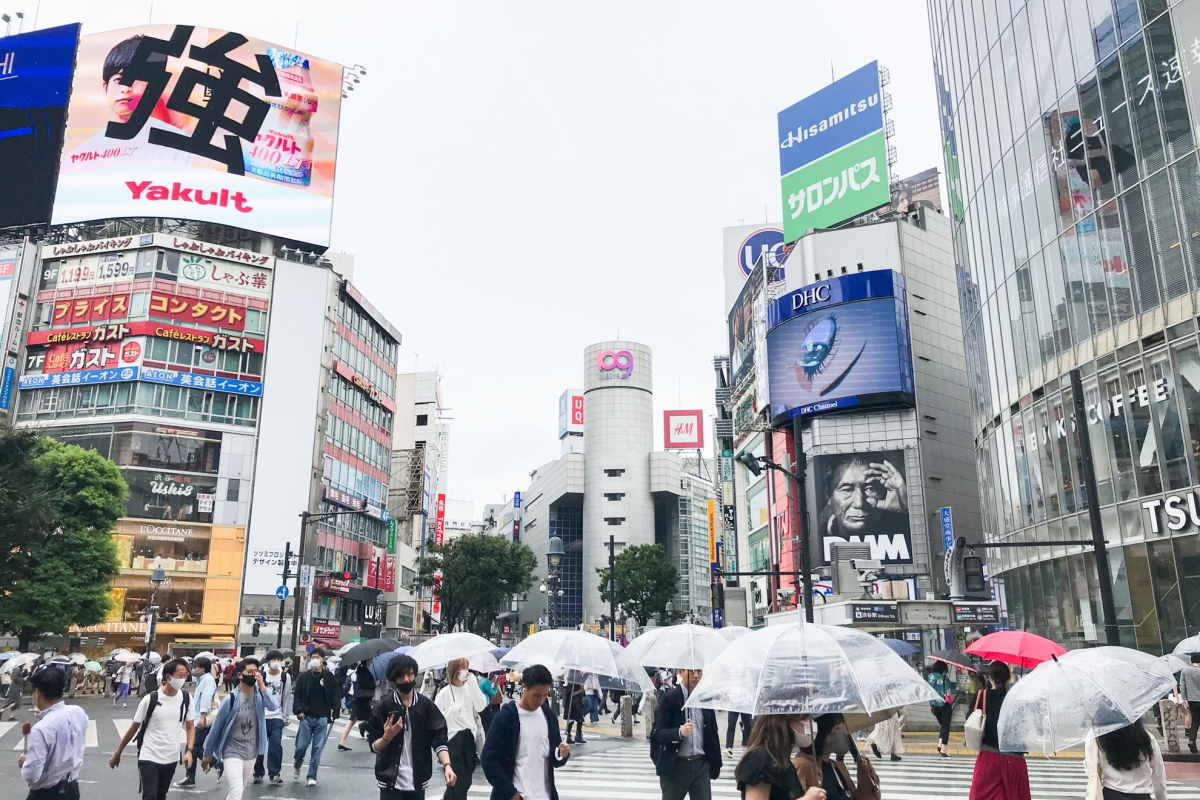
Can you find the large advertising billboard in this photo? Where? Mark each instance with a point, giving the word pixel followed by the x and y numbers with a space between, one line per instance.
pixel 744 246
pixel 863 497
pixel 203 124
pixel 839 343
pixel 833 154
pixel 35 82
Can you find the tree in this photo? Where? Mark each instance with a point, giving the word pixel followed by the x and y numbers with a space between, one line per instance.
pixel 65 557
pixel 480 573
pixel 646 582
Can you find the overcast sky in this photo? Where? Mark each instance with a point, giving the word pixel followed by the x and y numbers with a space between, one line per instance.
pixel 518 180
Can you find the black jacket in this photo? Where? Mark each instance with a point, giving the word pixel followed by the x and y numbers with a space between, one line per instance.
pixel 428 728
pixel 364 682
pixel 316 695
pixel 499 757
pixel 664 741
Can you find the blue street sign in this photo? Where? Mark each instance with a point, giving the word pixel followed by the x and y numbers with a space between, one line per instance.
pixel 261 620
pixel 282 592
pixel 947 530
pixel 516 499
pixel 310 648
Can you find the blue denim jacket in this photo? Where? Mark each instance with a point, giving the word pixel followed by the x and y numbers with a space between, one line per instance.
pixel 214 745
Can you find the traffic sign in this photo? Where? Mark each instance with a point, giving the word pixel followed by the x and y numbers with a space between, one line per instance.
pixel 947 529
pixel 261 620
pixel 310 648
pixel 305 638
pixel 282 592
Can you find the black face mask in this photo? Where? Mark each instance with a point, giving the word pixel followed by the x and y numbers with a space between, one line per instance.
pixel 249 680
pixel 406 687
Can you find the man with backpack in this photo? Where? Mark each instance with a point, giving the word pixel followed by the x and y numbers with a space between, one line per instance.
pixel 157 723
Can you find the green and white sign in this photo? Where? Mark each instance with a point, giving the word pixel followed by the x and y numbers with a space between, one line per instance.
pixel 838 187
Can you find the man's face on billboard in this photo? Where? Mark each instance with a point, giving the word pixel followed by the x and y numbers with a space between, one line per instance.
pixel 122 100
pixel 855 498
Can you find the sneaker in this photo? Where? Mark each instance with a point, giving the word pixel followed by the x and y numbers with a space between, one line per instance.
pixel 258 778
pixel 296 772
pixel 580 740
pixel 570 740
pixel 276 780
pixel 187 783
pixel 312 781
pixel 729 752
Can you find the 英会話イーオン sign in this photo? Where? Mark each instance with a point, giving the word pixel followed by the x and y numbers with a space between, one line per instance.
pixel 833 154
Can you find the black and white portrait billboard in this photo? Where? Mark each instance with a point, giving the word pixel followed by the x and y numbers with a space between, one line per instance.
pixel 863 497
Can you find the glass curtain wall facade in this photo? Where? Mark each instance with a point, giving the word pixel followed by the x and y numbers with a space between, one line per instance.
pixel 1069 134
pixel 566 522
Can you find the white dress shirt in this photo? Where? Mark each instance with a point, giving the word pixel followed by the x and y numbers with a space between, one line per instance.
pixel 1147 778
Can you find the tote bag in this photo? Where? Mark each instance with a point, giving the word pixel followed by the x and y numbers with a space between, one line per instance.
pixel 973 728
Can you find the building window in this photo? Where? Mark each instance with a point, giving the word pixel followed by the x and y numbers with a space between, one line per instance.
pixel 422 419
pixel 614 473
pixel 614 495
pixel 234 490
pixel 614 520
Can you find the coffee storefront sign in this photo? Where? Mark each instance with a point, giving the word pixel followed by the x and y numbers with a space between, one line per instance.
pixel 1113 407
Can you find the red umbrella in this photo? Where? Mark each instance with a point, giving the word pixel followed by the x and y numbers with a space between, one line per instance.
pixel 1016 647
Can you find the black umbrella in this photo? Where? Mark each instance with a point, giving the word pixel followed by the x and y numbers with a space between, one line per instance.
pixel 369 649
pixel 954 658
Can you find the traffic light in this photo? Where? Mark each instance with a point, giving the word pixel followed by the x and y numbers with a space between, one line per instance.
pixel 973 569
pixel 254 630
pixel 751 463
pixel 345 576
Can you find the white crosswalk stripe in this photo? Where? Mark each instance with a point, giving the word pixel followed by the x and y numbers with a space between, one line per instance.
pixel 90 738
pixel 626 773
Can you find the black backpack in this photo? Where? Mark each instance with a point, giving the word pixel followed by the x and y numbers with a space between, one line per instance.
pixel 153 704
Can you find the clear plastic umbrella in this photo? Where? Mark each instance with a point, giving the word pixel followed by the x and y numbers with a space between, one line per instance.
pixel 18 661
pixel 804 668
pixel 484 664
pixel 677 647
pixel 1100 689
pixel 1188 646
pixel 1173 662
pixel 570 652
pixel 733 632
pixel 77 658
pixel 436 652
pixel 127 657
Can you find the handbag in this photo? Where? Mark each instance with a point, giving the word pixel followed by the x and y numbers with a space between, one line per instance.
pixel 867 785
pixel 973 727
pixel 1095 786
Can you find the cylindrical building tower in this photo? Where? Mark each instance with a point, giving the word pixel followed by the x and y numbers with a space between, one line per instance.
pixel 618 435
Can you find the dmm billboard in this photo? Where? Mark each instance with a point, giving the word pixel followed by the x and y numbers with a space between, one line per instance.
pixel 833 154
pixel 203 124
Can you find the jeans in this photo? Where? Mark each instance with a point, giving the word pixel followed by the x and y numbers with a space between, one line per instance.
pixel 197 751
pixel 156 779
pixel 274 750
pixel 122 693
pixel 236 775
pixel 314 731
pixel 592 706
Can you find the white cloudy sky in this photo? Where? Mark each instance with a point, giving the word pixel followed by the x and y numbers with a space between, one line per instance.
pixel 520 179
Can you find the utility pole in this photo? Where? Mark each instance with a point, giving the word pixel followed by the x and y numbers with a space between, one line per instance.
pixel 612 589
pixel 297 603
pixel 287 566
pixel 1103 577
pixel 799 476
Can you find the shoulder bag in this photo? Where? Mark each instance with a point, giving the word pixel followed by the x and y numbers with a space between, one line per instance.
pixel 973 728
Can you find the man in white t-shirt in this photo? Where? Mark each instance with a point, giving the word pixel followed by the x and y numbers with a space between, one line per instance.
pixel 524 743
pixel 158 722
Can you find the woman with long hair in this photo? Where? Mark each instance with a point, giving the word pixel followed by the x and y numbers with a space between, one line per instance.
pixel 825 765
pixel 765 771
pixel 943 709
pixel 1128 763
pixel 461 701
pixel 998 775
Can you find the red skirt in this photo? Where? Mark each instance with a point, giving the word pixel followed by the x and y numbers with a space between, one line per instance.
pixel 999 777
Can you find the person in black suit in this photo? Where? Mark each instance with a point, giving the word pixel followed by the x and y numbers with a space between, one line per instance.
pixel 685 745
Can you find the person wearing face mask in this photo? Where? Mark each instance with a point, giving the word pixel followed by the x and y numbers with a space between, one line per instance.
pixel 160 717
pixel 685 744
pixel 279 684
pixel 202 712
pixel 315 701
pixel 766 771
pixel 404 729
pixel 823 764
pixel 363 690
pixel 53 757
pixel 461 701
pixel 239 733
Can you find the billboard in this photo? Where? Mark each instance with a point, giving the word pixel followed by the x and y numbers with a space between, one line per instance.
pixel 204 124
pixel 863 497
pixel 741 327
pixel 35 82
pixel 683 430
pixel 833 154
pixel 744 245
pixel 570 413
pixel 840 343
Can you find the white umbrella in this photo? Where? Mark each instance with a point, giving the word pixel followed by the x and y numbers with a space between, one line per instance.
pixel 571 652
pixel 436 652
pixel 1099 689
pixel 18 661
pixel 205 654
pixel 1188 646
pixel 734 632
pixel 1174 662
pixel 77 658
pixel 484 664
pixel 344 648
pixel 127 657
pixel 677 647
pixel 804 668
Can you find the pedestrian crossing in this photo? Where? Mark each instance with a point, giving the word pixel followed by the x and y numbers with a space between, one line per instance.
pixel 90 738
pixel 626 773
pixel 10 732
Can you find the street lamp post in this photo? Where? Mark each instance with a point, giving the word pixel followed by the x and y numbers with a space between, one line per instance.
pixel 157 578
pixel 554 556
pixel 307 518
pixel 381 601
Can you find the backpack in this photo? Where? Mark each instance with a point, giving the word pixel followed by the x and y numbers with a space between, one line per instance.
pixel 153 704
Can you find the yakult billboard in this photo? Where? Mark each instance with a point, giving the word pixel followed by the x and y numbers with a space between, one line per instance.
pixel 203 124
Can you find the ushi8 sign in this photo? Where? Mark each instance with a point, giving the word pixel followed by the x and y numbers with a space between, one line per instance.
pixel 833 154
pixel 204 124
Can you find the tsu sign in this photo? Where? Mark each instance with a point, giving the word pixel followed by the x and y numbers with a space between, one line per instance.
pixel 683 430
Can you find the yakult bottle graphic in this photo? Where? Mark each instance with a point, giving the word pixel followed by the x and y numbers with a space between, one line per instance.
pixel 283 149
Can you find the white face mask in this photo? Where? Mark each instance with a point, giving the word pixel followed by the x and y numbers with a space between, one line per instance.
pixel 463 674
pixel 274 665
pixel 314 663
pixel 177 683
pixel 803 733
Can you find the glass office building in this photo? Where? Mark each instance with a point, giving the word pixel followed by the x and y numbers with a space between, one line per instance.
pixel 1069 131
